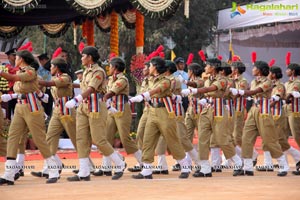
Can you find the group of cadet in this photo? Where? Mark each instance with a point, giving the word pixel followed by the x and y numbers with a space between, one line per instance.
pixel 175 104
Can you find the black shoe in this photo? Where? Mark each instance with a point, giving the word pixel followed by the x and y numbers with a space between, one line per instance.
pixel 298 166
pixel 39 174
pixel 17 176
pixel 200 174
pixel 135 169
pixel 216 169
pixel 78 178
pixel 184 175
pixel 21 172
pixel 52 180
pixel 297 173
pixel 75 171
pixel 264 169
pixel 164 172
pixel 249 173
pixel 141 176
pixel 254 162
pixel 176 167
pixel 238 172
pixel 117 175
pixel 4 181
pixel 284 173
pixel 102 173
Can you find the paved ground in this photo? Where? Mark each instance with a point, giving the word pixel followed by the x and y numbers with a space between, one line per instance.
pixel 264 185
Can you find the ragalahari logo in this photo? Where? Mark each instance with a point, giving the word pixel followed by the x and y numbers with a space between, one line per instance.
pixel 236 10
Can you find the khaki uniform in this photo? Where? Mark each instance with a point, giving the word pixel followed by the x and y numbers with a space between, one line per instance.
pixel 121 121
pixel 260 121
pixel 143 119
pixel 214 120
pixel 2 139
pixel 161 121
pixel 293 109
pixel 28 113
pixel 181 128
pixel 91 114
pixel 194 110
pixel 239 111
pixel 62 117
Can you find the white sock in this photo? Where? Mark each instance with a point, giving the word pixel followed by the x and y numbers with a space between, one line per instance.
pixel 255 154
pixel 237 161
pixel 10 168
pixel 147 169
pixel 106 164
pixel 119 164
pixel 238 150
pixel 138 156
pixel 84 169
pixel 216 158
pixel 268 159
pixel 91 165
pixel 193 154
pixel 45 169
pixel 53 167
pixel 205 166
pixel 294 153
pixel 184 165
pixel 58 160
pixel 20 160
pixel 162 162
pixel 283 166
pixel 248 164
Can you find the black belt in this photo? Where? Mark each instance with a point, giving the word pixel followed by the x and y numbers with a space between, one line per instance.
pixel 22 96
pixel 157 105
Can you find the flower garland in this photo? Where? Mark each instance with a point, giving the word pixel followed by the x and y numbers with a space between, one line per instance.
pixel 136 67
pixel 4 87
pixel 90 33
pixel 139 32
pixel 114 33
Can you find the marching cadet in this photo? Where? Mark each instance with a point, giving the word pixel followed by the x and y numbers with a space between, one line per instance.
pixel 260 121
pixel 3 141
pixel 292 87
pixel 120 121
pixel 28 113
pixel 91 117
pixel 213 119
pixel 161 121
pixel 181 128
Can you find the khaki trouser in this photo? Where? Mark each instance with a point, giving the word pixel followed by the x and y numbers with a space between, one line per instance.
pixel 22 143
pixel 141 128
pixel 182 133
pixel 91 127
pixel 229 129
pixel 294 123
pixel 159 123
pixel 191 122
pixel 238 125
pixel 2 139
pixel 210 125
pixel 255 125
pixel 121 124
pixel 57 124
pixel 35 122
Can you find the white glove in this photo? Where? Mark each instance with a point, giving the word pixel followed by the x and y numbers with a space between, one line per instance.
pixel 137 98
pixel 275 98
pixel 112 109
pixel 43 97
pixel 194 90
pixel 8 97
pixel 202 102
pixel 249 98
pixel 185 92
pixel 182 80
pixel 241 92
pixel 295 94
pixel 233 91
pixel 177 98
pixel 146 96
pixel 74 102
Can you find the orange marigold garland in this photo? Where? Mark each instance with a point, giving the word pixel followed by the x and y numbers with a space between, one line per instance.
pixel 114 34
pixel 90 32
pixel 83 27
pixel 139 32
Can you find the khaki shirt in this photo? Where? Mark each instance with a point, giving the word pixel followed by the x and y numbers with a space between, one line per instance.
pixel 162 82
pixel 200 83
pixel 241 83
pixel 265 84
pixel 63 86
pixel 278 89
pixel 175 85
pixel 29 81
pixel 118 84
pixel 145 85
pixel 292 85
pixel 230 84
pixel 94 77
pixel 221 84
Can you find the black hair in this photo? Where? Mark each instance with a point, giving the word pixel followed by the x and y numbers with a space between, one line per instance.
pixel 239 66
pixel 35 65
pixel 196 68
pixel 263 67
pixel 147 64
pixel 295 67
pixel 159 64
pixel 171 66
pixel 226 68
pixel 118 63
pixel 215 62
pixel 26 56
pixel 277 71
pixel 61 64
pixel 91 51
